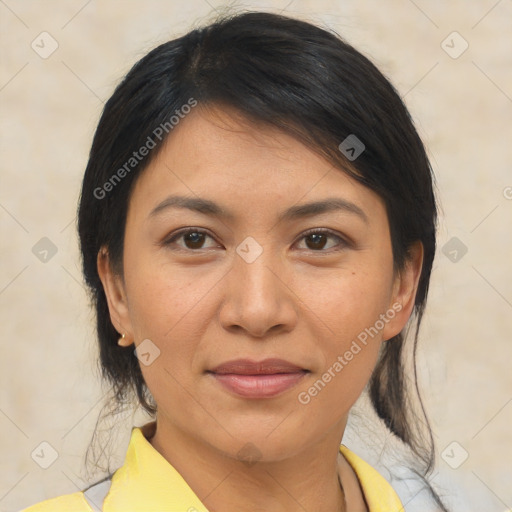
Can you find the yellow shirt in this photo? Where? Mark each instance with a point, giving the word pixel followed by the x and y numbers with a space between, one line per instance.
pixel 147 482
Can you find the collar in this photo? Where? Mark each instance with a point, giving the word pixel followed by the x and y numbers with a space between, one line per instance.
pixel 378 492
pixel 147 481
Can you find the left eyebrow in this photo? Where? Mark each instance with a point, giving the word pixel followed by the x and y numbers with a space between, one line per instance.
pixel 207 207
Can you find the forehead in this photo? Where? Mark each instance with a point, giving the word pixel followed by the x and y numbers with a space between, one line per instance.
pixel 218 155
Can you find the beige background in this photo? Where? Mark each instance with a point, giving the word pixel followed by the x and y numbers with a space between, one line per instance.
pixel 463 109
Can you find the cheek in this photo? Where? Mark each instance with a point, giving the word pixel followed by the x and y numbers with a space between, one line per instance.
pixel 165 307
pixel 348 354
pixel 348 301
pixel 349 318
pixel 172 307
pixel 161 297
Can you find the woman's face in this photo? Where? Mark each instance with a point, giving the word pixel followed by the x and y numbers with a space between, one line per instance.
pixel 257 278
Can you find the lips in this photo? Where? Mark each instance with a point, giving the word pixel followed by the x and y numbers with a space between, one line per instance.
pixel 257 379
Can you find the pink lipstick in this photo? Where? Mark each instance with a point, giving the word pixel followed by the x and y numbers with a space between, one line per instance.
pixel 258 379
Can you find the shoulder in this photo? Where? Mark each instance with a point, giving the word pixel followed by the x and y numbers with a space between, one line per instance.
pixel 401 486
pixel 65 503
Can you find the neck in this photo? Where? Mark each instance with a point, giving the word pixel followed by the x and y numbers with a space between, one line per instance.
pixel 309 480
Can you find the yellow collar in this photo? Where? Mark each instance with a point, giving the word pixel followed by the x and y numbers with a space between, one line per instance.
pixel 148 482
pixel 378 493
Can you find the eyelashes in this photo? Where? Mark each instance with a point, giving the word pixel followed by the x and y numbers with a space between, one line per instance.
pixel 195 238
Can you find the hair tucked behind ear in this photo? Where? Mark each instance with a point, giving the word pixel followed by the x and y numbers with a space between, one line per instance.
pixel 307 82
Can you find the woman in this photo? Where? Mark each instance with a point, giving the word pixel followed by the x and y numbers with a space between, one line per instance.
pixel 257 226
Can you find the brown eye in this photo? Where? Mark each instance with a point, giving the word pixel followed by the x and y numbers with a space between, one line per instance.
pixel 316 240
pixel 193 239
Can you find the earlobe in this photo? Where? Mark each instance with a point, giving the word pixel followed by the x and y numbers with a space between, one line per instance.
pixel 404 291
pixel 116 298
pixel 123 341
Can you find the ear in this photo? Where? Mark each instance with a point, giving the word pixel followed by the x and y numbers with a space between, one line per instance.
pixel 113 286
pixel 405 287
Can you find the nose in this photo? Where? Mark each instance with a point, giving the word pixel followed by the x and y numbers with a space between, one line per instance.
pixel 258 300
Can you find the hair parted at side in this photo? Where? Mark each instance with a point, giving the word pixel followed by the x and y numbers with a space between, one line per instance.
pixel 307 82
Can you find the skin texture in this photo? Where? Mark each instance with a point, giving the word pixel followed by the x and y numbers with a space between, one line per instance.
pixel 303 300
